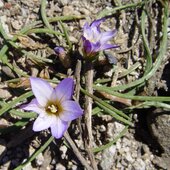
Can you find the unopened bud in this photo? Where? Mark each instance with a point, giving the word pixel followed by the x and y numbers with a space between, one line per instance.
pixel 63 57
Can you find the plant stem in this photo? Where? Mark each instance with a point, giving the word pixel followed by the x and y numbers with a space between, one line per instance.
pixel 88 111
pixel 76 151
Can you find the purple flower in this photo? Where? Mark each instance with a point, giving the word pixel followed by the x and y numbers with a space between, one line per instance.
pixel 59 50
pixel 54 106
pixel 94 40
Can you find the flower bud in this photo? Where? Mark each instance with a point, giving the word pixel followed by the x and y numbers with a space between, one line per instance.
pixel 63 57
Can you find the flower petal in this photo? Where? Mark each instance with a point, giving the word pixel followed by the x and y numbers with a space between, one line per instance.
pixel 58 128
pixel 59 50
pixel 42 123
pixel 96 23
pixel 91 33
pixel 105 36
pixel 41 89
pixel 64 90
pixel 108 46
pixel 91 48
pixel 87 32
pixel 96 47
pixel 72 110
pixel 87 46
pixel 34 106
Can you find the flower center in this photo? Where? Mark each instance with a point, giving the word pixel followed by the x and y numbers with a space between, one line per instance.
pixel 53 108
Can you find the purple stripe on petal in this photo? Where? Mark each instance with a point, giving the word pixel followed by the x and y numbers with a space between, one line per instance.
pixel 41 89
pixel 72 111
pixel 108 46
pixel 64 90
pixel 96 23
pixel 42 123
pixel 58 128
pixel 34 106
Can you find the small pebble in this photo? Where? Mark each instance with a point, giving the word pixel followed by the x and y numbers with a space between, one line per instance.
pixel 139 164
pixel 1 4
pixel 2 146
pixel 102 128
pixel 107 157
pixel 63 2
pixel 63 149
pixel 27 167
pixel 16 24
pixel 68 10
pixel 129 158
pixel 60 167
pixel 39 159
pixel 85 11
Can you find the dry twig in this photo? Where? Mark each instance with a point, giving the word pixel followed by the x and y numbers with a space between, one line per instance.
pixel 76 151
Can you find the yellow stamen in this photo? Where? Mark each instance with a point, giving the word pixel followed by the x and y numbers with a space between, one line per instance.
pixel 53 108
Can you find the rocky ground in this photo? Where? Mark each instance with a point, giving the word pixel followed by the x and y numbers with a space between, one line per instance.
pixel 142 147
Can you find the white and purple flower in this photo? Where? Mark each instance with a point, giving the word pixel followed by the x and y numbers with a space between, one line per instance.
pixel 94 40
pixel 54 106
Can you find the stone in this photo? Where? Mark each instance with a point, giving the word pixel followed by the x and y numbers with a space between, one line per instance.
pixel 74 167
pixel 159 126
pixel 63 149
pixel 63 2
pixel 139 164
pixel 129 158
pixel 68 10
pixel 102 128
pixel 28 166
pixel 6 166
pixel 60 167
pixel 1 4
pixel 108 158
pixel 113 129
pixel 85 11
pixel 16 24
pixel 39 159
pixel 2 147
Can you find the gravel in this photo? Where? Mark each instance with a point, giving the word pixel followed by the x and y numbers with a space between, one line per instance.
pixel 131 152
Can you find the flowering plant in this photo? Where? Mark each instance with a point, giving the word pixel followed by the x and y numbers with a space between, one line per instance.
pixel 54 106
pixel 94 40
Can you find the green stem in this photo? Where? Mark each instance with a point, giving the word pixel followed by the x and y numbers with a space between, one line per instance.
pixel 43 14
pixel 106 105
pixel 146 44
pixel 107 12
pixel 127 96
pixel 44 30
pixel 7 106
pixel 66 35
